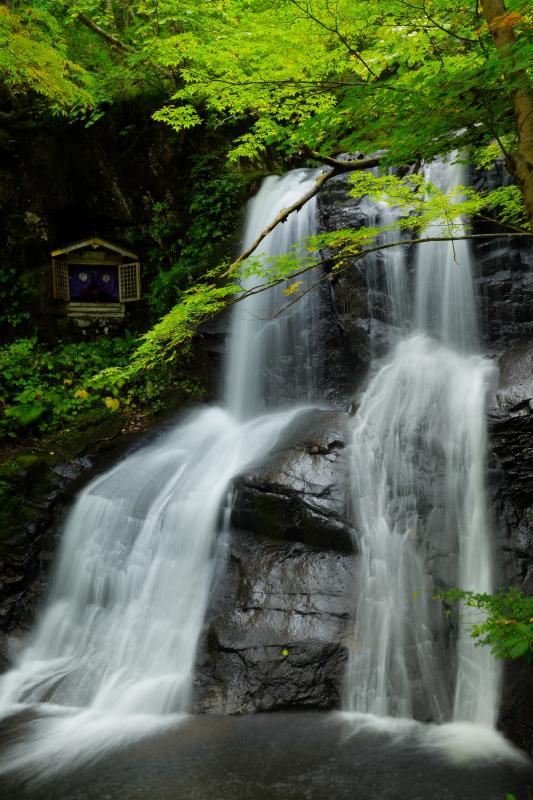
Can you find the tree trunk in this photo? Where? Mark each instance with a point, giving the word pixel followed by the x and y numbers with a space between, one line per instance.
pixel 520 163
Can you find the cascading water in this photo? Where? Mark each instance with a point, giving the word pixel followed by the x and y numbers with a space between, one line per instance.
pixel 418 467
pixel 273 359
pixel 113 652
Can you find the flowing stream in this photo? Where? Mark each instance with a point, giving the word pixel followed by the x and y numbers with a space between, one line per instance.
pixel 419 498
pixel 112 655
pixel 273 357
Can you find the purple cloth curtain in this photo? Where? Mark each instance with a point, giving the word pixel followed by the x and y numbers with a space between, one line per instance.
pixel 93 283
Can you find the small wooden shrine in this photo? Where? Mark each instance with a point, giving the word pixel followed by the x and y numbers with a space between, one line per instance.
pixel 95 278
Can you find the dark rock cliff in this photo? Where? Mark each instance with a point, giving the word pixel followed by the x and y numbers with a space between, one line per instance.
pixel 277 627
pixel 267 644
pixel 60 183
pixel 511 484
pixel 504 280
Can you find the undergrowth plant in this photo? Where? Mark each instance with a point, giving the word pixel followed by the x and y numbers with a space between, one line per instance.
pixel 181 255
pixel 44 389
pixel 503 621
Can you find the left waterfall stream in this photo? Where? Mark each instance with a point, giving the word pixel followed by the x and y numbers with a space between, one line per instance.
pixel 113 651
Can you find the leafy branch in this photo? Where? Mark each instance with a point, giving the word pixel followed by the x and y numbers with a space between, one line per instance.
pixel 505 621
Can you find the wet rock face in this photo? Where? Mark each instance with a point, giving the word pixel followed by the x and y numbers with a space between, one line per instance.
pixel 268 645
pixel 504 280
pixel 349 291
pixel 284 606
pixel 299 493
pixel 511 487
pixel 23 552
pixel 505 285
pixel 29 536
pixel 504 275
pixel 276 639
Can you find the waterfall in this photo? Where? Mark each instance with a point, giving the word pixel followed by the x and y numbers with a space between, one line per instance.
pixel 420 506
pixel 273 359
pixel 113 652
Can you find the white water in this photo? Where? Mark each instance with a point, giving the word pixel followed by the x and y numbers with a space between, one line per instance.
pixel 273 359
pixel 112 655
pixel 418 472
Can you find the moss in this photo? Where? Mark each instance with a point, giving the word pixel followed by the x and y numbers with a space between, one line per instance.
pixel 28 478
pixel 88 429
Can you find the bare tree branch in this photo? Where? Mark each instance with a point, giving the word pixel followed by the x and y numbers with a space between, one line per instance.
pixel 338 164
pixel 338 168
pixel 352 258
pixel 281 217
pixel 109 38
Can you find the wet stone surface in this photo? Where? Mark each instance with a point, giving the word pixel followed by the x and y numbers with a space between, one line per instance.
pixel 277 632
pixel 300 492
pixel 511 492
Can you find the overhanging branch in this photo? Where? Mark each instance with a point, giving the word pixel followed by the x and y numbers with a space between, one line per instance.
pixel 109 38
pixel 341 166
pixel 352 258
pixel 338 167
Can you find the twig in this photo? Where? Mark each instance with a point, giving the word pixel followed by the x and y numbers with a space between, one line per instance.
pixel 110 39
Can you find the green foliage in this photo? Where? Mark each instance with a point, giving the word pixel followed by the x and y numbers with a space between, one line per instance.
pixel 34 60
pixel 417 79
pixel 503 621
pixel 217 194
pixel 423 203
pixel 15 297
pixel 47 389
pixel 42 388
pixel 172 336
pixel 508 206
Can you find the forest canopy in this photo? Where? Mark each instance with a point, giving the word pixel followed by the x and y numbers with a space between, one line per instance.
pixel 395 82
pixel 415 78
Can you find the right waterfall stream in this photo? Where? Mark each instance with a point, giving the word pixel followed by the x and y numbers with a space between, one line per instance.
pixel 418 494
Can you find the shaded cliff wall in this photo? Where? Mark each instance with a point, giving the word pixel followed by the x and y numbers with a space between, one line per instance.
pixel 126 178
pixel 60 183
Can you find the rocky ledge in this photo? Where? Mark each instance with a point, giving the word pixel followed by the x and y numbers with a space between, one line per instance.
pixel 277 628
pixel 511 482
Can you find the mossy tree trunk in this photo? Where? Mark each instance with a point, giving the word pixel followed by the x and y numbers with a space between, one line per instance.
pixel 520 162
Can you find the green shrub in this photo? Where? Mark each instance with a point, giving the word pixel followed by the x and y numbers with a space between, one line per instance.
pixel 181 256
pixel 503 621
pixel 43 388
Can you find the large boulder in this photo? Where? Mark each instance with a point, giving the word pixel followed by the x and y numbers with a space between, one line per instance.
pixel 278 624
pixel 299 493
pixel 276 635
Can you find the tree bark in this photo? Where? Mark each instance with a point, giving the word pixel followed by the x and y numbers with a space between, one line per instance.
pixel 520 163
